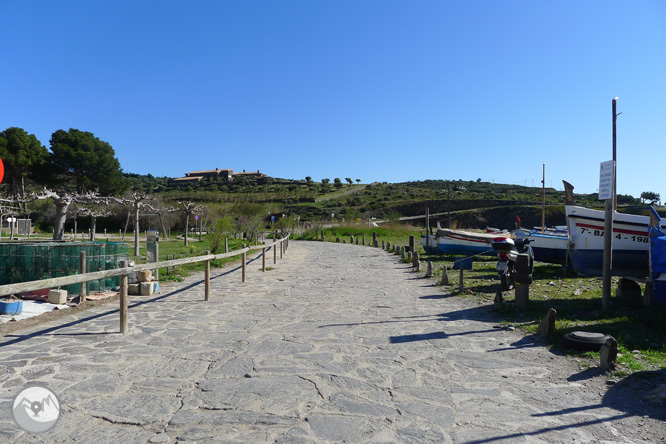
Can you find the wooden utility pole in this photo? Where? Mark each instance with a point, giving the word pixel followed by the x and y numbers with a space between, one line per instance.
pixel 610 207
pixel 543 202
pixel 615 114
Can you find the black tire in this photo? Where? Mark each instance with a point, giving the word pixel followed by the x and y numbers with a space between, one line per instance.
pixel 508 279
pixel 584 341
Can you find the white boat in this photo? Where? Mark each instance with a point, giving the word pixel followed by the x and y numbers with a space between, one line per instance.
pixel 465 242
pixel 586 242
pixel 549 246
pixel 429 243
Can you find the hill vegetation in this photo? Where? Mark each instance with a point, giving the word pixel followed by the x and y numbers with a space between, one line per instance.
pixel 79 162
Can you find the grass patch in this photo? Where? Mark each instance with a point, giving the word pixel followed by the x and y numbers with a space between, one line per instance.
pixel 640 331
pixel 172 247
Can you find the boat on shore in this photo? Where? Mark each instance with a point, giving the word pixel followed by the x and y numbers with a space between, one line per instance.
pixel 630 242
pixel 549 245
pixel 464 242
pixel 429 243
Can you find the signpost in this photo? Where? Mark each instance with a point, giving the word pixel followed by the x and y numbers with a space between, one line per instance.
pixel 606 191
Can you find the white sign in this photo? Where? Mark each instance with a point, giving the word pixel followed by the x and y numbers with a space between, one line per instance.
pixel 606 176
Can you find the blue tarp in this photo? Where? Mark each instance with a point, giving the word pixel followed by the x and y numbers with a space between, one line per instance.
pixel 658 257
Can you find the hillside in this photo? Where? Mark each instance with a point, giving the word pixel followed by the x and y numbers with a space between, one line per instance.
pixel 472 204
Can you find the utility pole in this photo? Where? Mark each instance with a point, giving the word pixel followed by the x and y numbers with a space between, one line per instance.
pixel 543 203
pixel 610 208
pixel 448 190
pixel 615 114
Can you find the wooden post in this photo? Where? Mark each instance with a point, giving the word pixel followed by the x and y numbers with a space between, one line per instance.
pixel 226 245
pixel 274 253
pixel 461 282
pixel 429 270
pixel 244 263
pixel 123 299
pixel 82 270
pixel 607 256
pixel 263 259
pixel 374 239
pixel 412 244
pixel 522 291
pixel 281 249
pixel 207 279
pixel 415 261
pixel 427 230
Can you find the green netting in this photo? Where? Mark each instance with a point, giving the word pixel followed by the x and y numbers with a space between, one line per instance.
pixel 22 262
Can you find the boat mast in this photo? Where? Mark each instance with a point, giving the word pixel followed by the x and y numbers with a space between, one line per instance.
pixel 543 204
pixel 615 114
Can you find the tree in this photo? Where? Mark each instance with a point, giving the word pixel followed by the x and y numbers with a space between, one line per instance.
pixel 650 196
pixel 189 208
pixel 338 182
pixel 324 185
pixel 21 154
pixel 133 203
pixel 90 161
pixel 358 180
pixel 251 219
pixel 94 213
pixel 62 202
pixel 308 179
pixel 349 181
pixel 222 222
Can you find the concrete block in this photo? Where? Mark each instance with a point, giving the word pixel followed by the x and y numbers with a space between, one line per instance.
pixel 134 289
pixel 58 297
pixel 146 288
pixel 145 276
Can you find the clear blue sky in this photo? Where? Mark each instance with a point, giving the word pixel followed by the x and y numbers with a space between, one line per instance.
pixel 375 90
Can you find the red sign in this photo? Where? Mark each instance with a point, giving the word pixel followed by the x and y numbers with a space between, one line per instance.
pixel 2 170
pixel 196 217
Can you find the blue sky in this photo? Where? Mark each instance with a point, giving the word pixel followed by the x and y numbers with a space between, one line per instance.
pixel 376 90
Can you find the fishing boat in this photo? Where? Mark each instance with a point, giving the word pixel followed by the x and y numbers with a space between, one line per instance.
pixel 549 245
pixel 429 243
pixel 464 242
pixel 630 242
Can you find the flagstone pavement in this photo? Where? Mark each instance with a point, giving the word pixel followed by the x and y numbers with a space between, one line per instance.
pixel 335 343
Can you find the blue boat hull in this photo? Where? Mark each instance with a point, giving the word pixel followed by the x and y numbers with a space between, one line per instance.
pixel 465 249
pixel 629 263
pixel 550 255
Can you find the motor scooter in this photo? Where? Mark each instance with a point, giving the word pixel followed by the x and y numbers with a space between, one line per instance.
pixel 507 252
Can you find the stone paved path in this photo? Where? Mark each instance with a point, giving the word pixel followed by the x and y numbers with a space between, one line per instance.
pixel 338 343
